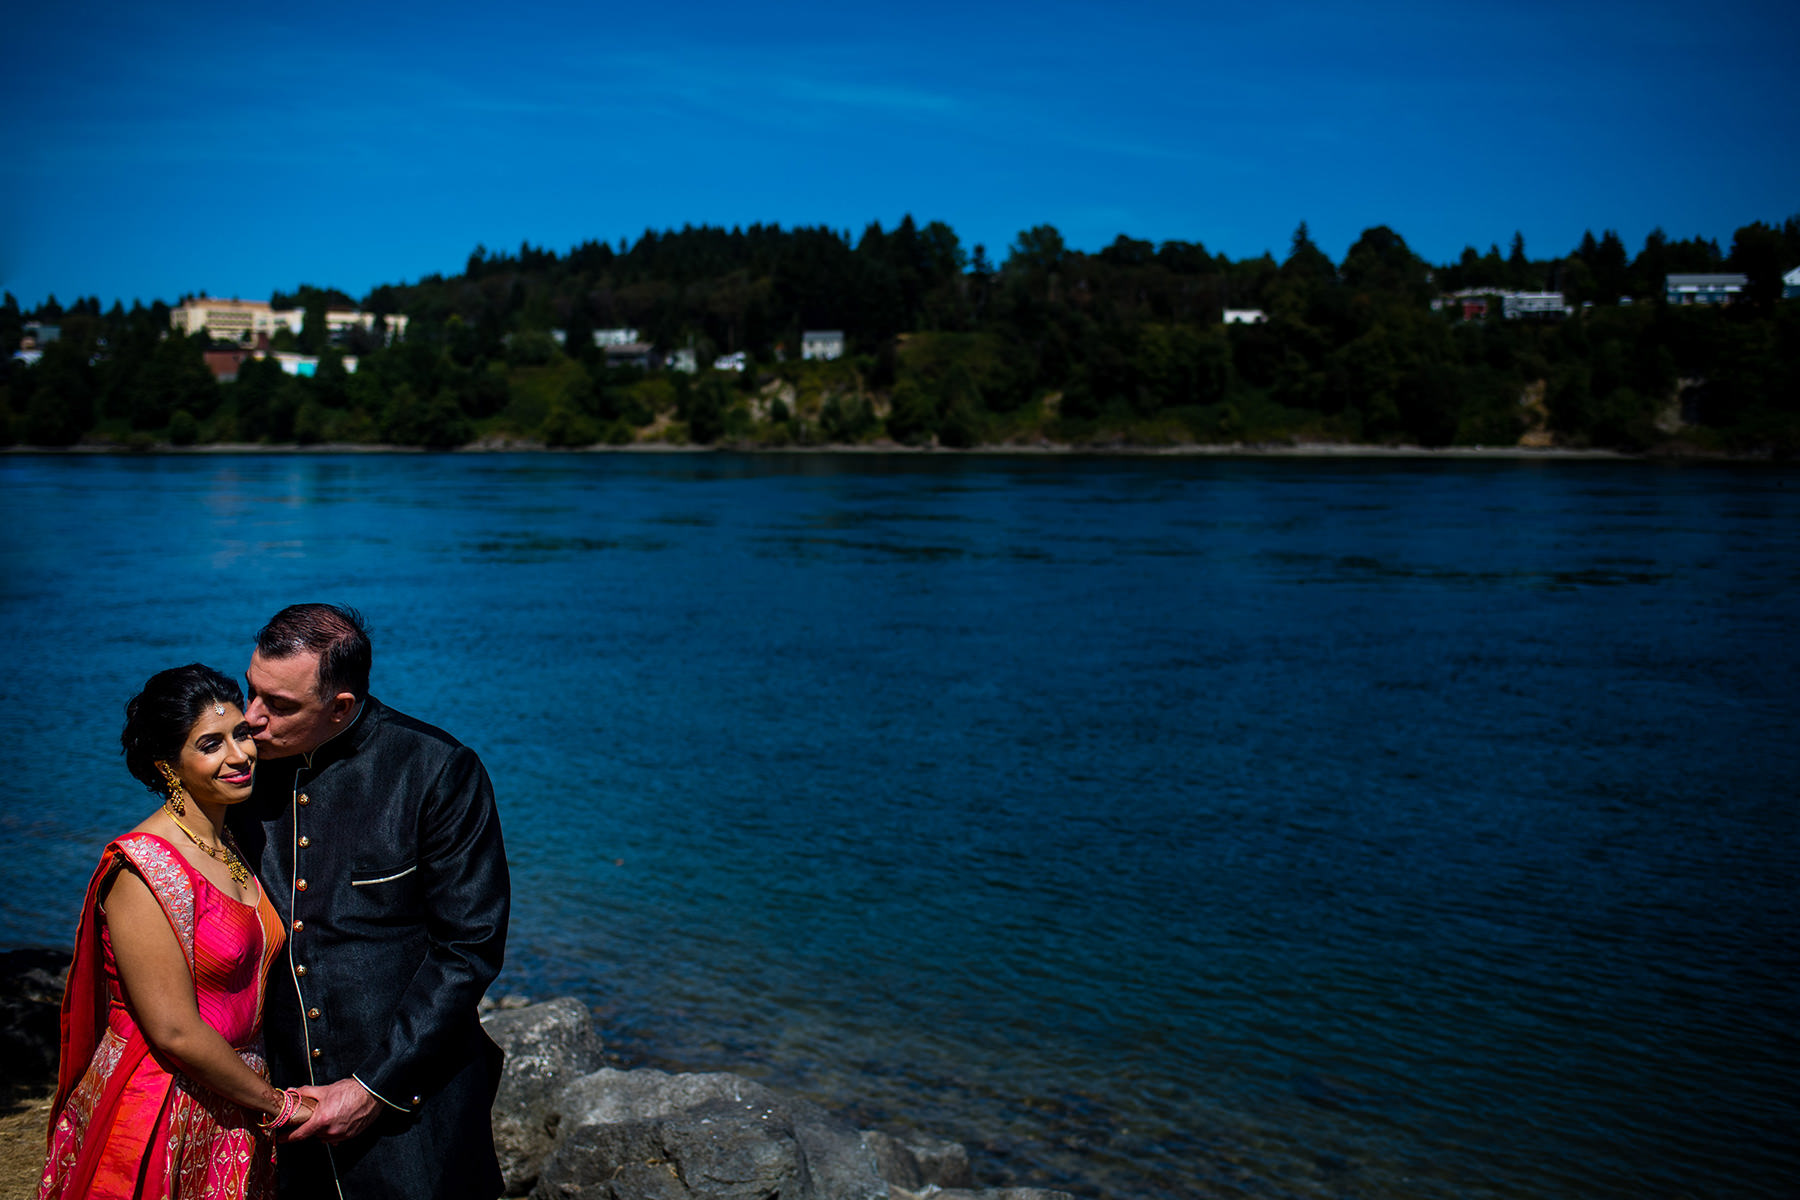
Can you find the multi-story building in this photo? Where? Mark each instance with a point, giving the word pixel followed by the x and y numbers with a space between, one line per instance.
pixel 229 320
pixel 1476 303
pixel 246 321
pixel 340 321
pixel 1514 305
pixel 1703 289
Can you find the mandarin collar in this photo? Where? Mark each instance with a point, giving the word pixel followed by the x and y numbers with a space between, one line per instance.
pixel 347 739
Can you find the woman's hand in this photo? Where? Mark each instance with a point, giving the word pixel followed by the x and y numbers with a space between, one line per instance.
pixel 285 1110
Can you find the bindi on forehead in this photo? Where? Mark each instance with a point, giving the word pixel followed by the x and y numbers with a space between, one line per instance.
pixel 215 719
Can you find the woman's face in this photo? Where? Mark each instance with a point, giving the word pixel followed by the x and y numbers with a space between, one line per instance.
pixel 218 760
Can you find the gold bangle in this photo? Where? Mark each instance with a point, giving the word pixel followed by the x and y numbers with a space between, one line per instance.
pixel 290 1102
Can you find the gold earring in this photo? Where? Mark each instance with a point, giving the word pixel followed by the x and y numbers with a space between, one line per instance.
pixel 177 798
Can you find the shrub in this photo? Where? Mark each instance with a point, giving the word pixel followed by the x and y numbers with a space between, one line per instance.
pixel 184 430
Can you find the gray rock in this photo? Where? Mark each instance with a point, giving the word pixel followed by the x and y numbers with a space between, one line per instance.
pixel 547 1046
pixel 725 1151
pixel 713 1135
pixel 722 1149
pixel 650 1135
pixel 610 1096
pixel 838 1159
pixel 920 1164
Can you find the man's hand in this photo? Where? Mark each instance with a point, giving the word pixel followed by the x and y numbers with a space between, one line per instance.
pixel 341 1111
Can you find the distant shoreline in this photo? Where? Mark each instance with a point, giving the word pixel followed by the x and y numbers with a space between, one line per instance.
pixel 1021 450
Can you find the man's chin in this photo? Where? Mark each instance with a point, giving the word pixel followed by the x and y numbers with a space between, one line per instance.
pixel 268 750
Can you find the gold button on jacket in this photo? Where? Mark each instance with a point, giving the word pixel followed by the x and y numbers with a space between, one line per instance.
pixel 405 928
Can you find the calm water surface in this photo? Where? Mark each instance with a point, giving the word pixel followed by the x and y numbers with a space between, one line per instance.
pixel 1253 828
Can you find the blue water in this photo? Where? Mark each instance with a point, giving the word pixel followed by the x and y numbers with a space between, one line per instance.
pixel 1159 828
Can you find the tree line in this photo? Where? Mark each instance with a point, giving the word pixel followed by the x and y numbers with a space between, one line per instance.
pixel 946 346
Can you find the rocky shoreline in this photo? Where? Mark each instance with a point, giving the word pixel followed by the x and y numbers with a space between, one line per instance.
pixel 568 1128
pixel 1039 449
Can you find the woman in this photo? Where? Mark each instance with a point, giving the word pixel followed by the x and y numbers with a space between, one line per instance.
pixel 162 1091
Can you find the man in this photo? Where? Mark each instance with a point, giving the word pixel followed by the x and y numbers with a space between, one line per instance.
pixel 377 840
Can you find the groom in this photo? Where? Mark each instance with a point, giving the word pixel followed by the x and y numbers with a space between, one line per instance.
pixel 377 840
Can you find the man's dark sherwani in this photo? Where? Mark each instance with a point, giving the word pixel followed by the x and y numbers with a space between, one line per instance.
pixel 381 851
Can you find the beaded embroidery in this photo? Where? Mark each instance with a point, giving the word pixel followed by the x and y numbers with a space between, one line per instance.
pixel 167 876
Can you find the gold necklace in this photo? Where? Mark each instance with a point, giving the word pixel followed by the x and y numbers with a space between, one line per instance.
pixel 224 852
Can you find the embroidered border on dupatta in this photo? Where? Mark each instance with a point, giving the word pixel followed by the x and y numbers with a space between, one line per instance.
pixel 84 1016
pixel 168 875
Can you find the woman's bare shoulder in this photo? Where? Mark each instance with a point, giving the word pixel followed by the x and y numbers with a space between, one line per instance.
pixel 157 823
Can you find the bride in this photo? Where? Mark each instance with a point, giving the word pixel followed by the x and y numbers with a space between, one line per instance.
pixel 163 1090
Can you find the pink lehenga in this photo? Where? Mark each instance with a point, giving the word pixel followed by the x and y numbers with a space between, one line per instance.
pixel 128 1123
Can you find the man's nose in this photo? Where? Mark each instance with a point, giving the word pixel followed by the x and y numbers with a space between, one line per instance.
pixel 255 716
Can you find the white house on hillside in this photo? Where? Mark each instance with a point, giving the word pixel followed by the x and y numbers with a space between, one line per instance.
pixel 822 344
pixel 1703 289
pixel 1514 305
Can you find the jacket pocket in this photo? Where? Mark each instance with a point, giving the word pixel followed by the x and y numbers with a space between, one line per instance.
pixel 387 877
pixel 385 894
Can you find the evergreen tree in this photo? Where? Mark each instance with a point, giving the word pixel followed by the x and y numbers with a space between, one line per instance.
pixel 1521 276
pixel 1757 250
pixel 1381 262
pixel 1306 263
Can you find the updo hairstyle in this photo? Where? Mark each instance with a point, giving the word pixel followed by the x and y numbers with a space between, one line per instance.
pixel 158 718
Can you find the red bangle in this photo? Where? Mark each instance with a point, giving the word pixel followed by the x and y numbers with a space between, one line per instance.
pixel 290 1101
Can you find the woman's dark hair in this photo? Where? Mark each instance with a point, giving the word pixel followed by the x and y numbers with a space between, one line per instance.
pixel 158 718
pixel 337 634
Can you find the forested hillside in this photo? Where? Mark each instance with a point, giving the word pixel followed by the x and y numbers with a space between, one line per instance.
pixel 947 347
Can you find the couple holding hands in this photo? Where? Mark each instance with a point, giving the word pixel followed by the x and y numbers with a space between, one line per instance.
pixel 320 901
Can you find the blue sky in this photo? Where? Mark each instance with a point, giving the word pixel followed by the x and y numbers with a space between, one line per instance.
pixel 161 150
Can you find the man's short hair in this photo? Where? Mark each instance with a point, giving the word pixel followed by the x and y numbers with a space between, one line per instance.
pixel 337 634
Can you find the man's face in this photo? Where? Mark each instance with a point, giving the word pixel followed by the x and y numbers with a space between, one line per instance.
pixel 286 713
